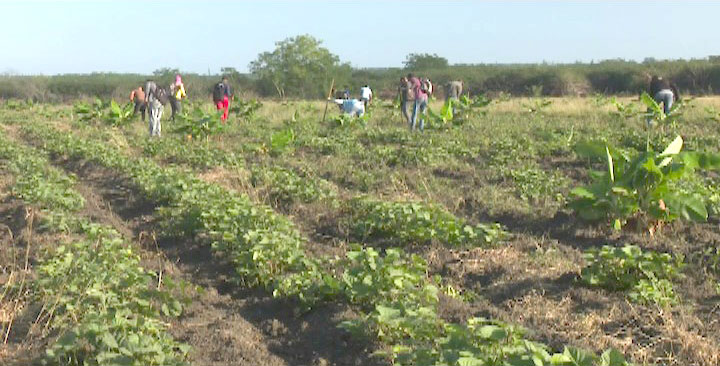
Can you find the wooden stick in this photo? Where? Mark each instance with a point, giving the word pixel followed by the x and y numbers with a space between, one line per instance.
pixel 332 86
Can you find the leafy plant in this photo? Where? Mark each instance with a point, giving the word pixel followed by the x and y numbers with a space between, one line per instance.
pixel 199 123
pixel 282 141
pixel 245 109
pixel 639 185
pixel 645 274
pixel 625 110
pixel 416 222
pixel 89 112
pixel 117 115
pixel 285 186
pixel 350 121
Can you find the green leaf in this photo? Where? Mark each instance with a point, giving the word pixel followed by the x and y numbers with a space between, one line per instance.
pixel 109 340
pixel 493 332
pixel 612 357
pixel 610 164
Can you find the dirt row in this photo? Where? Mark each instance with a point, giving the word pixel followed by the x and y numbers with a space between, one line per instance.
pixel 225 323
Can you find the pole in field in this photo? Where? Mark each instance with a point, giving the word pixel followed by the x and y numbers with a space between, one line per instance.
pixel 332 86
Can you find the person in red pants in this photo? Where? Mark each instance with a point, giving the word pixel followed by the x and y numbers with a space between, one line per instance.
pixel 221 97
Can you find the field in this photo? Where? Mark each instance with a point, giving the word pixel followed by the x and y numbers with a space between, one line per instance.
pixel 279 239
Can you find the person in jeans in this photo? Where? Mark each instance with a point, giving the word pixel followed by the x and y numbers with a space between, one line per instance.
pixel 421 102
pixel 154 97
pixel 138 96
pixel 177 92
pixel 662 91
pixel 405 94
pixel 221 97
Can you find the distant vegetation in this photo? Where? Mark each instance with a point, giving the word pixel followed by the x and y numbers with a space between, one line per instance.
pixel 300 67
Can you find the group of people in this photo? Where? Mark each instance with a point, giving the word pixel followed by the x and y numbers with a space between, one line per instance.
pixel 152 98
pixel 355 107
pixel 413 89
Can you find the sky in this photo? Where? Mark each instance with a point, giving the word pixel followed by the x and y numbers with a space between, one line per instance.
pixel 56 37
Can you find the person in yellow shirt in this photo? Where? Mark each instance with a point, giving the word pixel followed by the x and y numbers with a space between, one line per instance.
pixel 177 92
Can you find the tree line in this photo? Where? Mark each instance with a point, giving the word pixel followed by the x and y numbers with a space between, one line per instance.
pixel 300 67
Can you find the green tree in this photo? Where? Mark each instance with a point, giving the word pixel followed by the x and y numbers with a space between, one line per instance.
pixel 166 71
pixel 425 61
pixel 298 66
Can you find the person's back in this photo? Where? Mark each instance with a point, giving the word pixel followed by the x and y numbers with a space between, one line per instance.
pixel 366 92
pixel 150 91
pixel 417 89
pixel 137 95
pixel 454 90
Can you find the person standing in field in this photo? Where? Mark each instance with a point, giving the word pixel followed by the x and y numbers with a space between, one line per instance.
pixel 177 92
pixel 453 90
pixel 221 97
pixel 420 90
pixel 138 96
pixel 366 95
pixel 405 95
pixel 154 97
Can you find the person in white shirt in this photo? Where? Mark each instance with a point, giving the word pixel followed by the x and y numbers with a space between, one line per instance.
pixel 352 107
pixel 366 95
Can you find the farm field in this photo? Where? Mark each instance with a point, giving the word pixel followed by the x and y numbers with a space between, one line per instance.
pixel 279 239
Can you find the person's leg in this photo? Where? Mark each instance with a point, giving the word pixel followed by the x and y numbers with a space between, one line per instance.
pixel 158 122
pixel 423 107
pixel 414 116
pixel 226 105
pixel 403 107
pixel 173 106
pixel 151 120
pixel 668 101
pixel 137 108
pixel 143 108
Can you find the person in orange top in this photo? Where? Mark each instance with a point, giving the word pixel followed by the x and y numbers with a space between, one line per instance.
pixel 138 96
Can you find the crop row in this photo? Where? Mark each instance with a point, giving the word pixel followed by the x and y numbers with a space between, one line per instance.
pixel 96 297
pixel 399 300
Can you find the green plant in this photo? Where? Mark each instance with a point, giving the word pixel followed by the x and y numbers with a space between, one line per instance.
pixel 285 186
pixel 282 141
pixel 645 274
pixel 245 109
pixel 117 115
pixel 412 222
pixel 627 111
pixel 639 185
pixel 200 123
pixel 89 112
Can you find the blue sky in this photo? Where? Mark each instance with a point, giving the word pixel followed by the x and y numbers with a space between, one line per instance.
pixel 51 37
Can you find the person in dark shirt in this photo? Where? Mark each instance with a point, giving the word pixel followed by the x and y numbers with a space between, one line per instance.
pixel 222 93
pixel 663 91
pixel 405 94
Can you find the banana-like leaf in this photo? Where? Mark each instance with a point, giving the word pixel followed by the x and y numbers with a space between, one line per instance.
pixel 610 164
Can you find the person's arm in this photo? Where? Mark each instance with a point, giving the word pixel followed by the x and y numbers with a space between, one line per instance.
pixel 132 95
